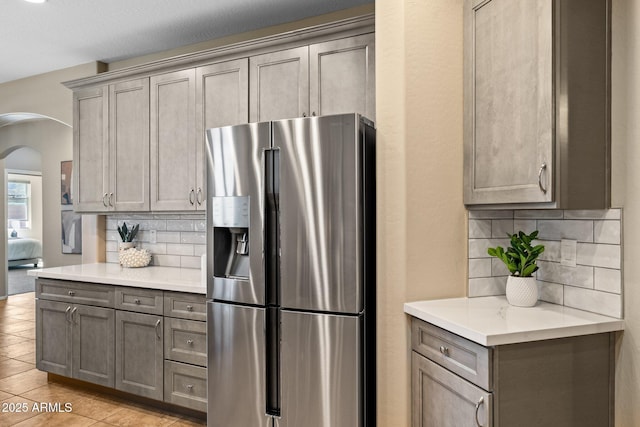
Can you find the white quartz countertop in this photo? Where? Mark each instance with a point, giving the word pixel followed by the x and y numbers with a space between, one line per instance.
pixel 164 278
pixel 492 321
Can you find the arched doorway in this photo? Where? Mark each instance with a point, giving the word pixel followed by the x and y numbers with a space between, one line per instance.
pixel 23 205
pixel 54 141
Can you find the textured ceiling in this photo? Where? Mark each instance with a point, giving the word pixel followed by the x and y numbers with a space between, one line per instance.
pixel 37 38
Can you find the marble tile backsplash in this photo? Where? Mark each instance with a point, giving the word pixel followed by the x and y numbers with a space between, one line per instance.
pixel 180 239
pixel 595 284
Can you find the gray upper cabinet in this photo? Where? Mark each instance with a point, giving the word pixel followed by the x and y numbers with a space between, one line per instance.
pixel 279 85
pixel 332 77
pixel 91 148
pixel 342 77
pixel 139 132
pixel 536 103
pixel 222 99
pixel 129 145
pixel 111 147
pixel 173 142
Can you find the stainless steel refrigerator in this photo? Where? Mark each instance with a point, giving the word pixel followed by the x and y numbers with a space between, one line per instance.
pixel 291 273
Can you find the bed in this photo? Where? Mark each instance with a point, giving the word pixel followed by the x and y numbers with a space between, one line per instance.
pixel 23 251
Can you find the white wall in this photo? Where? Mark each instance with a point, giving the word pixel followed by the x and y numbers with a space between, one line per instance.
pixel 421 218
pixel 53 141
pixel 625 138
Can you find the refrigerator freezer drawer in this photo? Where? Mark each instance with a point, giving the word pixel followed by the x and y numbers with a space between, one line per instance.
pixel 321 370
pixel 236 366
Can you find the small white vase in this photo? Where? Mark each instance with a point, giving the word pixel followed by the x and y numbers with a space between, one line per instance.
pixel 522 291
pixel 126 245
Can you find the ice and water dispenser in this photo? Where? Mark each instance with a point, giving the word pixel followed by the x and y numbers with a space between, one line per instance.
pixel 230 221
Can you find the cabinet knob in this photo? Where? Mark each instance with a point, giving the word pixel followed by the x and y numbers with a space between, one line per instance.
pixel 190 387
pixel 137 301
pixel 304 114
pixel 444 350
pixel 189 308
pixel 190 342
pixel 72 293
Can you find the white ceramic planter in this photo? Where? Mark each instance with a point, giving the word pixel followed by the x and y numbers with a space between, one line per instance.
pixel 522 291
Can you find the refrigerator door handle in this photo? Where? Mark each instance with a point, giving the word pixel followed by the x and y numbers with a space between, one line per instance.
pixel 271 236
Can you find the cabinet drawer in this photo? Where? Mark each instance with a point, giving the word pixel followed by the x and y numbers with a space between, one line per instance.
pixel 185 306
pixel 139 300
pixel 466 358
pixel 75 292
pixel 185 385
pixel 185 341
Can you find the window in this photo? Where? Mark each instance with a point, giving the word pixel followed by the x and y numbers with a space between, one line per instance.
pixel 19 204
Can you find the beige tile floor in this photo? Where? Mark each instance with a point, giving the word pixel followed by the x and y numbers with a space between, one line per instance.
pixel 22 386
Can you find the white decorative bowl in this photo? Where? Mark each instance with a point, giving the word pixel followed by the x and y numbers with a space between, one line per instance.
pixel 134 257
pixel 522 291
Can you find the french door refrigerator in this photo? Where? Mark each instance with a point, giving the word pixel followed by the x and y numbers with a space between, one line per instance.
pixel 291 273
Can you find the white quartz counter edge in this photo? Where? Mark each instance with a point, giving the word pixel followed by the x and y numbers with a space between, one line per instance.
pixel 492 321
pixel 163 278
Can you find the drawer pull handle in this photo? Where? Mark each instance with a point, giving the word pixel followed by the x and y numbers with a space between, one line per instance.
pixel 189 308
pixel 66 314
pixel 190 342
pixel 480 402
pixel 72 293
pixel 75 310
pixel 137 301
pixel 190 387
pixel 444 350
pixel 158 329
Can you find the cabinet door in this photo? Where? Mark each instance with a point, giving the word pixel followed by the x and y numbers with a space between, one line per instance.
pixel 129 145
pixel 508 102
pixel 342 77
pixel 139 366
pixel 222 99
pixel 173 146
pixel 279 85
pixel 93 344
pixel 53 337
pixel 90 150
pixel 443 399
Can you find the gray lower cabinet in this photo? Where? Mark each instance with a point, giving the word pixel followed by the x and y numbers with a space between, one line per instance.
pixel 185 350
pixel 560 382
pixel 147 342
pixel 185 385
pixel 139 354
pixel 75 341
pixel 443 399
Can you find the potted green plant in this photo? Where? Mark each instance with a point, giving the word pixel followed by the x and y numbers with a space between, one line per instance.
pixel 127 235
pixel 520 259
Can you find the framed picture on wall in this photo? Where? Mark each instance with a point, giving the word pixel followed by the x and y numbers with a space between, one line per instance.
pixel 71 231
pixel 65 182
